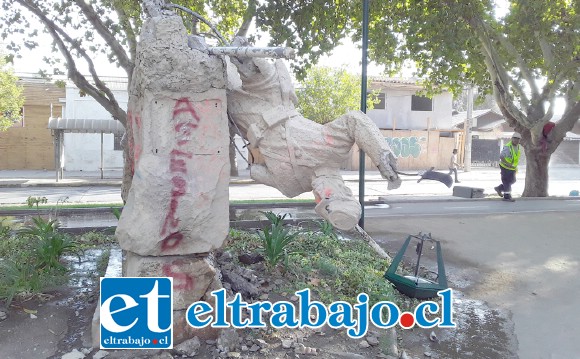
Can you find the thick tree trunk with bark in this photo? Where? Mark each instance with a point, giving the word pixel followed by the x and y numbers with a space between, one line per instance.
pixel 128 160
pixel 537 160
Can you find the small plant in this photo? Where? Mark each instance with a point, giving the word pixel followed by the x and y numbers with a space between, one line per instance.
pixel 326 228
pixel 60 201
pixel 31 201
pixel 16 278
pixel 275 242
pixel 102 262
pixel 23 279
pixel 116 213
pixel 276 219
pixel 4 229
pixel 51 245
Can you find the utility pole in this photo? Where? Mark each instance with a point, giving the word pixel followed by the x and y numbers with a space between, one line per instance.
pixel 363 108
pixel 467 127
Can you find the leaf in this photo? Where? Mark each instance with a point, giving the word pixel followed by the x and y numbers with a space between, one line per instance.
pixel 30 311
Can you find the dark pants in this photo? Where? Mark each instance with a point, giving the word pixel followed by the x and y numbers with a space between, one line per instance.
pixel 508 177
pixel 451 170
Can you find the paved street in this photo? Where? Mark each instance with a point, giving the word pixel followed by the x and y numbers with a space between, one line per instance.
pixel 471 207
pixel 522 259
pixel 87 187
pixel 524 265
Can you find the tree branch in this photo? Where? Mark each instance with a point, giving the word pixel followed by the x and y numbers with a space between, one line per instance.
pixel 248 17
pixel 108 102
pixel 510 48
pixel 131 37
pixel 120 53
pixel 201 18
pixel 565 124
pixel 494 65
pixel 546 51
pixel 500 83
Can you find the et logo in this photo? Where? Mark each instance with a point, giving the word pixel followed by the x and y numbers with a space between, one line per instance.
pixel 136 313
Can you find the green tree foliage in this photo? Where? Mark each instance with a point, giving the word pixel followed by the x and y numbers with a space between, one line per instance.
pixel 526 57
pixel 11 98
pixel 326 94
pixel 82 29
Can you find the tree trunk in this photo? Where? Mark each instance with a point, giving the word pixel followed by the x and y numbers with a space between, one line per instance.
pixel 233 164
pixel 128 159
pixel 537 160
pixel 127 173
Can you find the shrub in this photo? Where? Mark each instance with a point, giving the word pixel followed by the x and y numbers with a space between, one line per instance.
pixel 51 245
pixel 275 219
pixel 275 242
pixel 326 229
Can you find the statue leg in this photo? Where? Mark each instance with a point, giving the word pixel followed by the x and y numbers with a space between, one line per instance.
pixel 360 129
pixel 262 174
pixel 336 203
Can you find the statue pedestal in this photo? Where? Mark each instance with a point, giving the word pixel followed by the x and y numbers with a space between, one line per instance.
pixel 177 209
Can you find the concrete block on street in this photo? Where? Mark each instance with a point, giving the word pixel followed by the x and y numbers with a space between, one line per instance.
pixel 467 192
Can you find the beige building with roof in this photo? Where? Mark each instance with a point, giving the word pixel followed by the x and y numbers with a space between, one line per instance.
pixel 28 144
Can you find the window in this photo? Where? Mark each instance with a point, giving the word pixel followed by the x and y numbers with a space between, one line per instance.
pixel 421 103
pixel 382 104
pixel 117 143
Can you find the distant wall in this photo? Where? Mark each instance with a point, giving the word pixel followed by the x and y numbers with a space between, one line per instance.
pixel 82 151
pixel 29 144
pixel 415 150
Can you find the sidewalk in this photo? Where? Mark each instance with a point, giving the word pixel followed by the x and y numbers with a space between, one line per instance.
pixel 562 181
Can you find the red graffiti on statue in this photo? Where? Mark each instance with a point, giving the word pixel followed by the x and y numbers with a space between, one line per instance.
pixel 186 120
pixel 181 281
pixel 171 241
pixel 176 164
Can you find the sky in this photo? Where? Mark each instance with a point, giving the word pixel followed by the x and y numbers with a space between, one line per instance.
pixel 348 55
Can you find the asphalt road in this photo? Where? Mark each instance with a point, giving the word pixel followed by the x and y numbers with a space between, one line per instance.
pixel 521 258
pixel 465 207
pixel 520 269
pixel 91 194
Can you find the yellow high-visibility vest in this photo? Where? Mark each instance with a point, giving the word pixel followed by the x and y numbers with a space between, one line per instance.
pixel 511 162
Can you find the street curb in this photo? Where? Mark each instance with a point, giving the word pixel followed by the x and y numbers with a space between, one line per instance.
pixel 59 184
pixel 387 200
pixel 89 184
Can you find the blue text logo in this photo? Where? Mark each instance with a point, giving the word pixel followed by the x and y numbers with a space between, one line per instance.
pixel 136 313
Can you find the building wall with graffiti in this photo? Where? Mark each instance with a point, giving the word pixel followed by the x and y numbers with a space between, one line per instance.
pixel 414 150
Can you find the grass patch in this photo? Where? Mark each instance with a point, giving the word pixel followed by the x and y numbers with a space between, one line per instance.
pixel 31 259
pixel 95 239
pixel 103 262
pixel 333 269
pixel 61 206
pixel 120 204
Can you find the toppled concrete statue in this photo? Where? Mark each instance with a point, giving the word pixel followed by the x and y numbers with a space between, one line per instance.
pixel 301 155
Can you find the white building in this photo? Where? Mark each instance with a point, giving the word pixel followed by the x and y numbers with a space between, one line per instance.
pixel 401 108
pixel 91 138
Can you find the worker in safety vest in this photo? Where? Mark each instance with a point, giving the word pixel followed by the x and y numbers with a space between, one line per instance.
pixel 508 163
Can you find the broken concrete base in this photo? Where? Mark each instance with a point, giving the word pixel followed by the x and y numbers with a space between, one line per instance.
pixel 182 267
pixel 192 275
